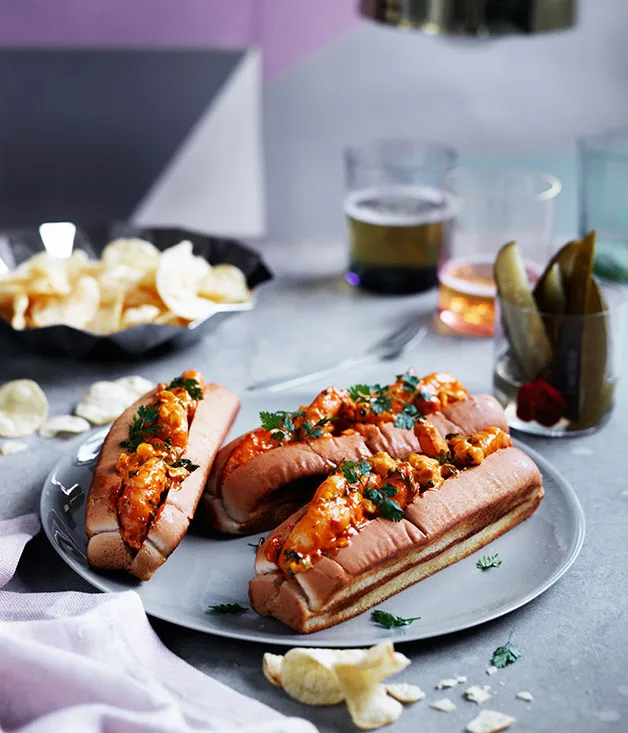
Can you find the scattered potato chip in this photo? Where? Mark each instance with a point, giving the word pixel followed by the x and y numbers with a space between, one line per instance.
pixel 9 447
pixel 490 721
pixel 224 284
pixel 23 408
pixel 478 693
pixel 445 705
pixel 104 402
pixel 47 275
pixel 308 675
pixel 64 425
pixel 76 309
pixel 140 314
pixel 491 670
pixel 369 705
pixel 178 279
pixel 271 666
pixel 135 384
pixel 461 679
pixel 20 306
pixel 405 692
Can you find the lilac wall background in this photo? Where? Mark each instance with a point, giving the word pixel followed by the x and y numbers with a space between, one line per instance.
pixel 285 30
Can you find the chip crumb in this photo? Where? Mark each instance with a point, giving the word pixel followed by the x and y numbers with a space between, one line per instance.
pixel 502 683
pixel 9 447
pixel 492 669
pixel 445 705
pixel 525 695
pixel 461 679
pixel 490 721
pixel 449 682
pixel 404 692
pixel 64 425
pixel 478 693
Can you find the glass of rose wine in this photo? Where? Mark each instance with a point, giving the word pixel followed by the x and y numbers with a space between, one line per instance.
pixel 491 207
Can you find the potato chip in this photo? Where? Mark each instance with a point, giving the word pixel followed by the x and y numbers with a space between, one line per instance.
pixel 224 284
pixel 47 275
pixel 108 318
pixel 308 675
pixel 405 692
pixel 144 294
pixel 77 264
pixel 20 306
pixel 371 707
pixel 64 425
pixel 23 408
pixel 9 447
pixel 139 314
pixel 178 280
pixel 490 721
pixel 271 666
pixel 135 384
pixel 76 310
pixel 104 402
pixel 136 254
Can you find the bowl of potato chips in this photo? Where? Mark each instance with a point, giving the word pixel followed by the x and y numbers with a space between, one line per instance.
pixel 118 288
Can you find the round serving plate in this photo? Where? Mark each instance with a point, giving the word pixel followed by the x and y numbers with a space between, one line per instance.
pixel 205 571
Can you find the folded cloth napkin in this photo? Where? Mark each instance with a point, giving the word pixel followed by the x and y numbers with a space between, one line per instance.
pixel 92 663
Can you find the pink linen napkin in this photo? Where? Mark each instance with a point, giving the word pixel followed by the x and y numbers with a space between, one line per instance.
pixel 92 663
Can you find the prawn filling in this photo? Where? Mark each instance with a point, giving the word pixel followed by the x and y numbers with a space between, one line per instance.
pixel 153 462
pixel 380 486
pixel 339 411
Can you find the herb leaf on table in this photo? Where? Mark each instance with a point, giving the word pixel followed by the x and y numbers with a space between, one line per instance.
pixel 505 655
pixel 489 561
pixel 226 608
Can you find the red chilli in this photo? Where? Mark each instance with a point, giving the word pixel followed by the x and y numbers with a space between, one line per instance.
pixel 541 402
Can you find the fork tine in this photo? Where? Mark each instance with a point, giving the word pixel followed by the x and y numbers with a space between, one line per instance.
pixel 397 339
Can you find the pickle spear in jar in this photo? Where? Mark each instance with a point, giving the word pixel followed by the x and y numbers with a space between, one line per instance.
pixel 525 329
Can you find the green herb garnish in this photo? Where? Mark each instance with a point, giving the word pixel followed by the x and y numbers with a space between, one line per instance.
pixel 353 471
pixel 313 431
pixel 389 490
pixel 144 424
pixel 389 620
pixel 409 381
pixel 489 561
pixel 225 608
pixel 407 418
pixel 443 457
pixel 280 424
pixel 507 654
pixel 360 393
pixel 185 463
pixel 257 544
pixel 191 386
pixel 390 510
pixel 425 396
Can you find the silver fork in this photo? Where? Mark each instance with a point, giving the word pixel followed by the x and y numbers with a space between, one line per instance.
pixel 390 347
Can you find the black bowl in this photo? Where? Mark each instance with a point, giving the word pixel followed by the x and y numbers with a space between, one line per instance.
pixel 18 245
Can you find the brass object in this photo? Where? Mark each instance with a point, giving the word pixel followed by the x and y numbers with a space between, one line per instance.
pixel 475 18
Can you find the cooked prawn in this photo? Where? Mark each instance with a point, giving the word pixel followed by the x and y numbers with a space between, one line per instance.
pixel 431 441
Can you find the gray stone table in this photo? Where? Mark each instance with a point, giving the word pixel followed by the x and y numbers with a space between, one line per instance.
pixel 573 638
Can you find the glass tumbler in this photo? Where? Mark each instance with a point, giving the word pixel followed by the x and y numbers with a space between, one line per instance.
pixel 604 200
pixel 396 211
pixel 556 375
pixel 492 206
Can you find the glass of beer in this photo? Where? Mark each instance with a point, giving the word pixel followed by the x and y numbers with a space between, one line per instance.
pixel 396 209
pixel 491 207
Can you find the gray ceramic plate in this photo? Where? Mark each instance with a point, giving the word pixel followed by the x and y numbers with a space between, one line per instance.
pixel 204 572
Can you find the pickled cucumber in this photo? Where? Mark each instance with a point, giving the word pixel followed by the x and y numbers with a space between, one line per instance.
pixel 597 387
pixel 549 292
pixel 522 320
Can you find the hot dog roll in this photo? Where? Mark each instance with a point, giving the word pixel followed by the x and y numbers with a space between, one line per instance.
pixel 376 527
pixel 151 471
pixel 260 478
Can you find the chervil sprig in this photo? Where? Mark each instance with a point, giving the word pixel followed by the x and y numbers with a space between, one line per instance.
pixel 389 620
pixel 489 561
pixel 191 386
pixel 144 425
pixel 280 424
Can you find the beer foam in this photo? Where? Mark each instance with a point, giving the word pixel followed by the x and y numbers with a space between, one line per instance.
pixel 436 207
